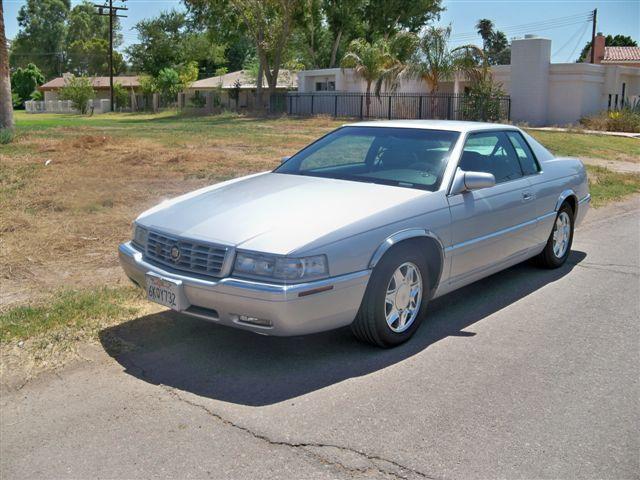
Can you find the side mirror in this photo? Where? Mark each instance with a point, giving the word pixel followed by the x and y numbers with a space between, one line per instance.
pixel 284 159
pixel 468 181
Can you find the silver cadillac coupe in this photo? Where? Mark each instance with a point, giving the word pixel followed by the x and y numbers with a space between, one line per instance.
pixel 362 227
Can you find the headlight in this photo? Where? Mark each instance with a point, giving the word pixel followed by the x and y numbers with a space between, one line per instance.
pixel 281 268
pixel 139 236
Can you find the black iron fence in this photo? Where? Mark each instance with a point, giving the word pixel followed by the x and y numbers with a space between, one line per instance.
pixel 444 106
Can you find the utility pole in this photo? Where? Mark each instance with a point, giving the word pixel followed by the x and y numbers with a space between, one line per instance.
pixel 112 12
pixel 593 36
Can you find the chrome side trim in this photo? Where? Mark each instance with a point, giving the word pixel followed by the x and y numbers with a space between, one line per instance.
pixel 563 196
pixel 500 232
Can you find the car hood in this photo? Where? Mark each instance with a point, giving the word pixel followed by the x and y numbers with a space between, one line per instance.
pixel 273 212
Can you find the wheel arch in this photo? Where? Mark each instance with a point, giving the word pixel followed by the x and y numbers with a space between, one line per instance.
pixel 571 198
pixel 432 248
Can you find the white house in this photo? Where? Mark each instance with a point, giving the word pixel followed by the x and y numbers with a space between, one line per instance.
pixel 542 93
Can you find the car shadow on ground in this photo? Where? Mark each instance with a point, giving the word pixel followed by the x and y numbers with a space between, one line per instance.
pixel 244 368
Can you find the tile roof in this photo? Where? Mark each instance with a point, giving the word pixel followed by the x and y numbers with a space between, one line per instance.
pixel 97 82
pixel 621 54
pixel 286 79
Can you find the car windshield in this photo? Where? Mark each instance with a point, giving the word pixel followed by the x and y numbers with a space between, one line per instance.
pixel 406 157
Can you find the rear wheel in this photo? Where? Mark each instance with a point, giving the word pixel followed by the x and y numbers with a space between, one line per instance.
pixel 558 246
pixel 395 300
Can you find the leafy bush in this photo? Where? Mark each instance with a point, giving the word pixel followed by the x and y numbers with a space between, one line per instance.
pixel 483 101
pixel 169 84
pixel 79 90
pixel 6 136
pixel 24 82
pixel 627 119
pixel 121 96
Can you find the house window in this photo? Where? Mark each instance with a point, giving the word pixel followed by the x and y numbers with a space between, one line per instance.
pixel 325 86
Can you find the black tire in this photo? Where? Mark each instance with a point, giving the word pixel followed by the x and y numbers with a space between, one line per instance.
pixel 370 324
pixel 548 258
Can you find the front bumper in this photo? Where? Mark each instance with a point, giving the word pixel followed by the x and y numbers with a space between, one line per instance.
pixel 290 309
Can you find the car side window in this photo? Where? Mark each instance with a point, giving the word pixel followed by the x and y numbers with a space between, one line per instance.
pixel 491 152
pixel 525 155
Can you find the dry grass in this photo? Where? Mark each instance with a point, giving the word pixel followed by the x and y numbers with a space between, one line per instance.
pixel 69 194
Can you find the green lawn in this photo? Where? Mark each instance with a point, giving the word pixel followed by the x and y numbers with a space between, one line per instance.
pixel 574 144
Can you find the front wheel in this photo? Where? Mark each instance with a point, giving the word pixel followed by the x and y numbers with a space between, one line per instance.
pixel 395 300
pixel 558 246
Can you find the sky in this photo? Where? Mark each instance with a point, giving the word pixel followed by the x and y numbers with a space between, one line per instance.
pixel 564 22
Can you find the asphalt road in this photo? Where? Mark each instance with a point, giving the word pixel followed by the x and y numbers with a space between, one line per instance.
pixel 527 374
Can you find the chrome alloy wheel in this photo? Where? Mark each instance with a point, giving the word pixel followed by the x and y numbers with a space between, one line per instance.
pixel 561 234
pixel 403 298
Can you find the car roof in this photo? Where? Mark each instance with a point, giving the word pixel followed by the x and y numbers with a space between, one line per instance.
pixel 451 125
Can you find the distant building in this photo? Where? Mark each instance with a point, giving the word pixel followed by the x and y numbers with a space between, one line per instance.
pixel 541 92
pixel 51 89
pixel 222 84
pixel 625 56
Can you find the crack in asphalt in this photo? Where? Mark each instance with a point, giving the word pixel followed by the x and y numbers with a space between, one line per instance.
pixel 308 446
pixel 608 268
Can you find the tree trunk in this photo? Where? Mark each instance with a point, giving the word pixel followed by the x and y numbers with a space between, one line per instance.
pixel 259 85
pixel 368 102
pixel 6 104
pixel 334 50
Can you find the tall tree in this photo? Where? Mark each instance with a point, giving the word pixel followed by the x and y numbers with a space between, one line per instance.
pixel 42 35
pixel 344 23
pixel 386 17
pixel 269 22
pixel 494 43
pixel 167 41
pixel 485 30
pixel 6 105
pixel 87 43
pixel 609 41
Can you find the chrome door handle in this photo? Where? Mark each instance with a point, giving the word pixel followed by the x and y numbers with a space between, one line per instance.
pixel 527 196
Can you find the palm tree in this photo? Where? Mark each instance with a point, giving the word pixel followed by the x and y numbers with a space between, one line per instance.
pixel 371 61
pixel 6 107
pixel 485 30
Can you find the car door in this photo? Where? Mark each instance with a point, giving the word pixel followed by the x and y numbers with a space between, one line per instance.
pixel 493 225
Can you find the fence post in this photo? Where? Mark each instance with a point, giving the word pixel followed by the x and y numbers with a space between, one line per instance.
pixel 290 99
pixel 449 107
pixel 335 105
pixel 389 113
pixel 509 108
pixel 420 107
pixel 361 101
pixel 312 95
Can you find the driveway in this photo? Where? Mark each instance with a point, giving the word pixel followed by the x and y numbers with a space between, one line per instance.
pixel 529 373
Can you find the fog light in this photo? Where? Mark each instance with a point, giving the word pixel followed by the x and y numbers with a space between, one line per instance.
pixel 262 322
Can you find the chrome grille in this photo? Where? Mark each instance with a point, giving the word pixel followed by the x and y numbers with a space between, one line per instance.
pixel 201 258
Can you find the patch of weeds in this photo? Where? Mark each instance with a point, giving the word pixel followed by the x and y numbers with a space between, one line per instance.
pixel 79 311
pixel 6 136
pixel 607 186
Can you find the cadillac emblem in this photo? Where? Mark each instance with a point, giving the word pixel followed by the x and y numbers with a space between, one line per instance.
pixel 175 253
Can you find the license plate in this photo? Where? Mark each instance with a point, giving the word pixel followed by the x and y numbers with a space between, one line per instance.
pixel 165 292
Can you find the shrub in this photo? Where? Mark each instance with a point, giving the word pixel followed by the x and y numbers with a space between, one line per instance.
pixel 79 91
pixel 627 119
pixel 120 96
pixel 482 102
